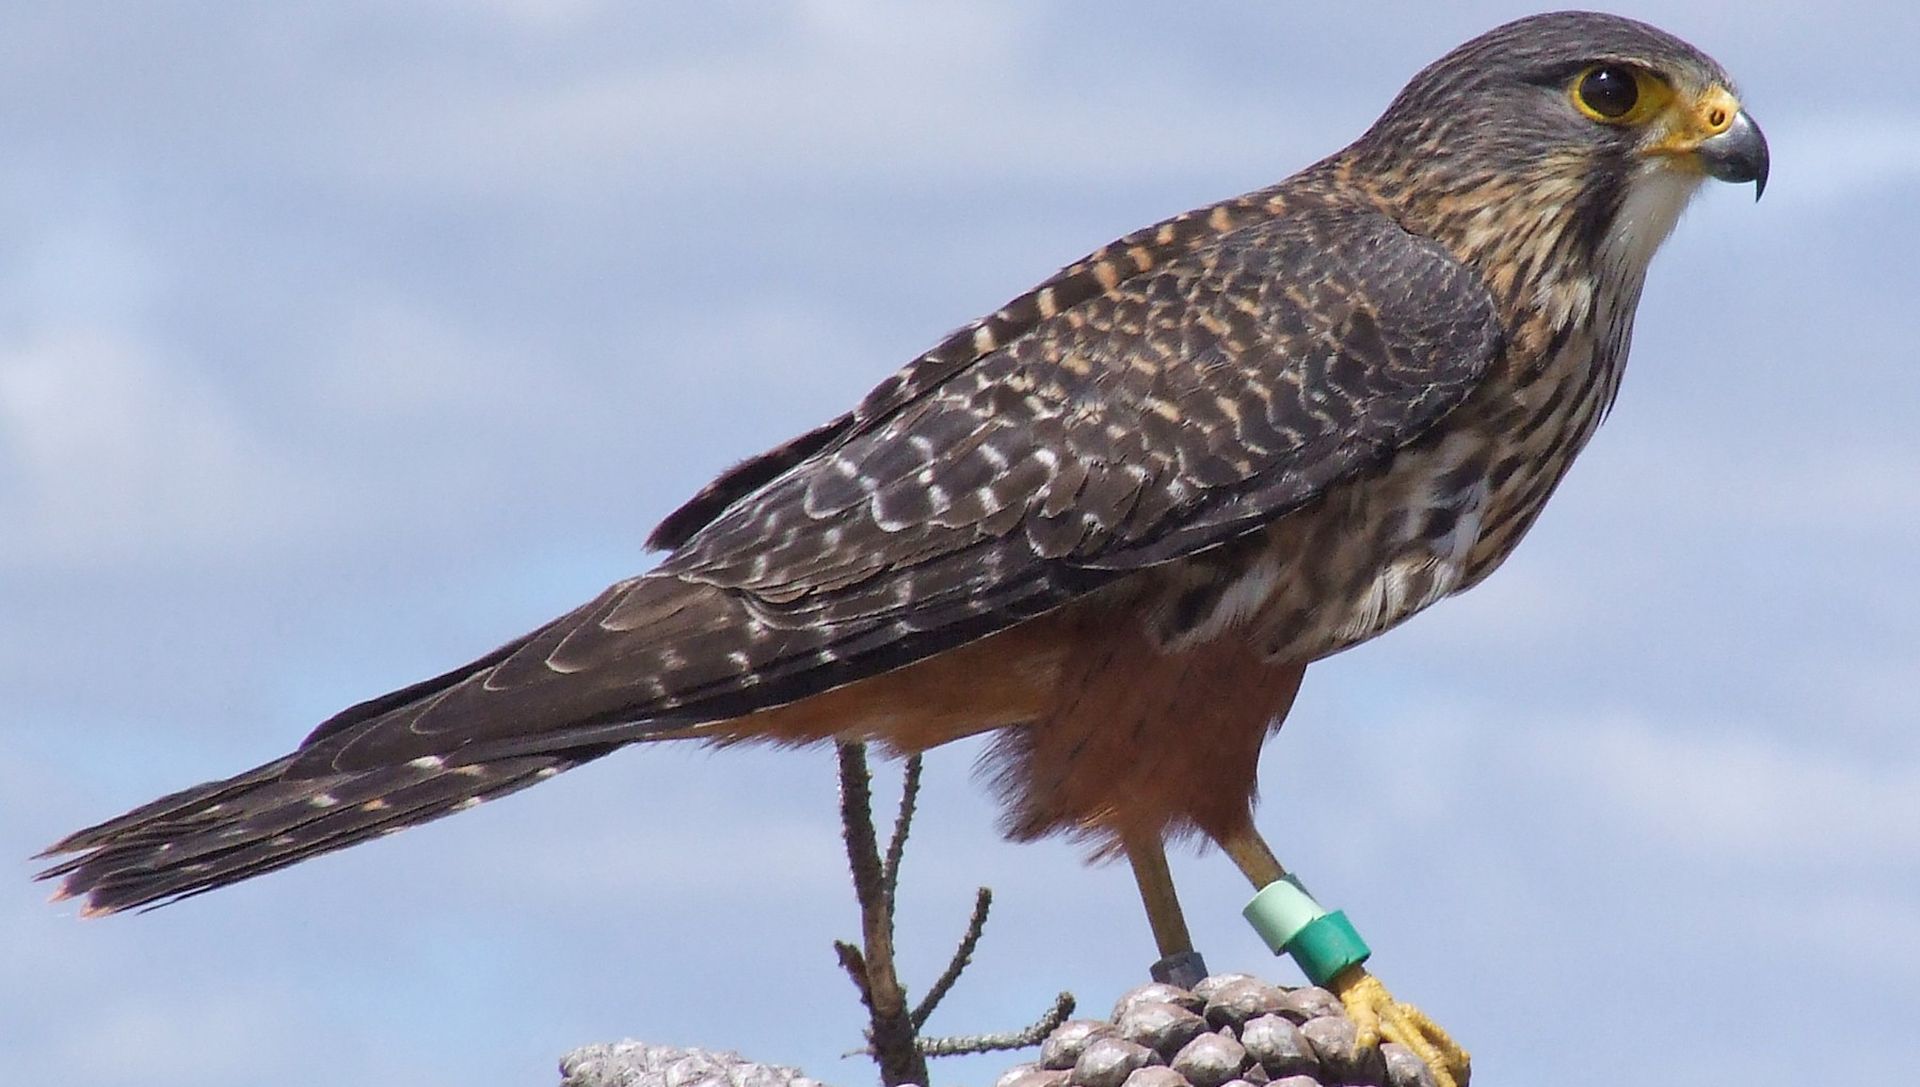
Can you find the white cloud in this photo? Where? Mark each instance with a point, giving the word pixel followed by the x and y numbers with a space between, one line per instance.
pixel 855 92
pixel 1830 160
pixel 118 457
pixel 389 362
pixel 1846 920
pixel 1846 489
pixel 549 17
pixel 220 1037
pixel 1735 793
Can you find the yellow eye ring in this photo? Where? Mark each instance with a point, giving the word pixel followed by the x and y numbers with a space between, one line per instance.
pixel 1618 94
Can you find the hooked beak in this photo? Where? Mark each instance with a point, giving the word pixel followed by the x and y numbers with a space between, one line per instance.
pixel 1738 154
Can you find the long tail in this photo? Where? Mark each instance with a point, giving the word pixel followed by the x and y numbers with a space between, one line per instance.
pixel 652 657
pixel 488 728
pixel 225 831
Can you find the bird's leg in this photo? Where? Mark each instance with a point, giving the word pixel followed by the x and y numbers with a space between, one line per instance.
pixel 1255 857
pixel 1179 963
pixel 1374 1011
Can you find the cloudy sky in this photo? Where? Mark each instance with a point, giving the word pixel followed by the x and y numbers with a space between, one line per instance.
pixel 339 343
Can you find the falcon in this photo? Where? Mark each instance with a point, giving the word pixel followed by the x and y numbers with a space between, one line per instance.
pixel 1111 522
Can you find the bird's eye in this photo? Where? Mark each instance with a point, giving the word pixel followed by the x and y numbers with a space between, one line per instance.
pixel 1607 92
pixel 1620 94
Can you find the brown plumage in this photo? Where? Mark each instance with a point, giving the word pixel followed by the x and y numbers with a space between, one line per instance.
pixel 1113 520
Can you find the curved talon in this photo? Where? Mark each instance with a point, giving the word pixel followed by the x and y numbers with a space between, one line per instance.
pixel 1379 1016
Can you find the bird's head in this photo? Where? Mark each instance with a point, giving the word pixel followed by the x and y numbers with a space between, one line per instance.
pixel 1570 129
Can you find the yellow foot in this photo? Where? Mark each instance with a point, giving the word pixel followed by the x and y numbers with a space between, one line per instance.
pixel 1380 1017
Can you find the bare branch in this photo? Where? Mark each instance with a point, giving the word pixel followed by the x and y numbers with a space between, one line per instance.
pixel 962 955
pixel 902 823
pixel 892 1033
pixel 855 964
pixel 856 819
pixel 994 1043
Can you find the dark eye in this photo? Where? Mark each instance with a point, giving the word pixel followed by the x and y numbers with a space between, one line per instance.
pixel 1608 91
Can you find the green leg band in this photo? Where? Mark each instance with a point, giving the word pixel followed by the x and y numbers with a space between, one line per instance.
pixel 1280 911
pixel 1292 923
pixel 1328 946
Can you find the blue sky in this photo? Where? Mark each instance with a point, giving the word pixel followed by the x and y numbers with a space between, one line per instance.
pixel 340 343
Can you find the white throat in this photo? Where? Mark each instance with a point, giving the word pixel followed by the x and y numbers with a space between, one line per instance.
pixel 1656 196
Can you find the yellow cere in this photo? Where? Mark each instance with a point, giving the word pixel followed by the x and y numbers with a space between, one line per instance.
pixel 1703 118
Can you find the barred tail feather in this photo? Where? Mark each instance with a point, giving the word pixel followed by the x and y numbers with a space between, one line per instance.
pixel 225 831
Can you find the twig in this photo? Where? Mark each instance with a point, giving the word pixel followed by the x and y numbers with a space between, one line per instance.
pixel 855 964
pixel 994 1043
pixel 893 1034
pixel 903 822
pixel 962 955
pixel 856 818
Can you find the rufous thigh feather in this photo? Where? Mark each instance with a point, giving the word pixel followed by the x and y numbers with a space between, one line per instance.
pixel 1141 742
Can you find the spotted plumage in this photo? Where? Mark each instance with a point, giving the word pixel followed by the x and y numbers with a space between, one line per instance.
pixel 1112 521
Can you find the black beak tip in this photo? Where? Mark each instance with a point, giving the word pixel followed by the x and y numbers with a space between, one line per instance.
pixel 1739 154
